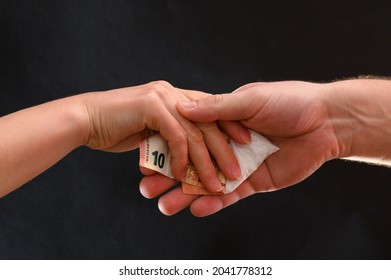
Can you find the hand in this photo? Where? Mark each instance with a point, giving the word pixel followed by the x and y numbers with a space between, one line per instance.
pixel 118 119
pixel 38 137
pixel 292 115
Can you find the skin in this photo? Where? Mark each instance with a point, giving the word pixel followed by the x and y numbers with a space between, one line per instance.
pixel 34 139
pixel 310 123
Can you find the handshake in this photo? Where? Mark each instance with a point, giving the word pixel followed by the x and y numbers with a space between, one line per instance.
pixel 290 115
pixel 310 123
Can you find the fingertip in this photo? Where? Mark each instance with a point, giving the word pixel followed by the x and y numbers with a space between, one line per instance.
pixel 215 185
pixel 163 209
pixel 236 131
pixel 154 185
pixel 185 108
pixel 144 190
pixel 174 201
pixel 198 110
pixel 236 171
pixel 245 135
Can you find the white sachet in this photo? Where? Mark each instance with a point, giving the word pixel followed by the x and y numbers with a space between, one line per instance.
pixel 250 157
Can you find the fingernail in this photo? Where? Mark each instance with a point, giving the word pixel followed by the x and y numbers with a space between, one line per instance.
pixel 188 104
pixel 236 172
pixel 245 135
pixel 217 187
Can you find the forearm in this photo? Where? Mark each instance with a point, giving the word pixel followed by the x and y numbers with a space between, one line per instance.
pixel 360 111
pixel 34 139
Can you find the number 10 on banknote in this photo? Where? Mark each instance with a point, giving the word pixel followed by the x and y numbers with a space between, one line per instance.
pixel 155 155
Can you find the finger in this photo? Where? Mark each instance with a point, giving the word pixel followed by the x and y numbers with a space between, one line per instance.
pixel 221 151
pixel 171 130
pixel 207 205
pixel 174 201
pixel 219 107
pixel 200 157
pixel 156 184
pixel 236 131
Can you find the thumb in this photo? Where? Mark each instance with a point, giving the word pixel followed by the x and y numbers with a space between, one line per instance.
pixel 225 107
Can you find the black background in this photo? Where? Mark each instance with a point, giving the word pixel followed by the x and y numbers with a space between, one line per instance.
pixel 88 205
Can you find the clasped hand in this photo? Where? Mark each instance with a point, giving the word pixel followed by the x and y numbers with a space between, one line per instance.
pixel 292 115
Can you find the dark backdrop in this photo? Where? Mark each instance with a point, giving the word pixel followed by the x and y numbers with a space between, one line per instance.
pixel 88 205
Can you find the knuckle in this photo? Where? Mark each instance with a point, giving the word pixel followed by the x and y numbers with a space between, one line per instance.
pixel 180 137
pixel 179 141
pixel 164 83
pixel 195 135
pixel 217 98
pixel 206 127
pixel 159 91
pixel 159 87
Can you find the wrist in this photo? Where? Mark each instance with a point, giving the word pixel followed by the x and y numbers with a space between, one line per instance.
pixel 78 116
pixel 360 113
